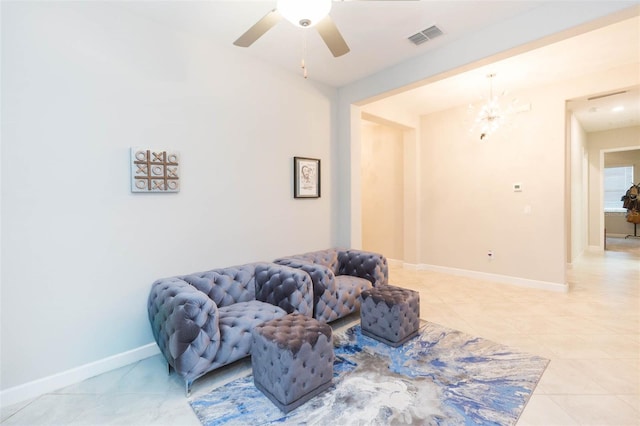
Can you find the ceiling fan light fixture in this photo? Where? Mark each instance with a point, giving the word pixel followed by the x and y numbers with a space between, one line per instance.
pixel 304 13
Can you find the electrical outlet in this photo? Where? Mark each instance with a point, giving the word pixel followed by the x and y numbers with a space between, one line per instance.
pixel 490 254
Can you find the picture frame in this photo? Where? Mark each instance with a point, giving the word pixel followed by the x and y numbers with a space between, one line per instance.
pixel 306 177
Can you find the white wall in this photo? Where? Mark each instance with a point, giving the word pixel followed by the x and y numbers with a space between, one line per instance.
pixel 383 190
pixel 81 83
pixel 531 245
pixel 598 143
pixel 468 203
pixel 578 188
pixel 412 191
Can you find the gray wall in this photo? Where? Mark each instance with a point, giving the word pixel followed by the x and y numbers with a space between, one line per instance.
pixel 82 82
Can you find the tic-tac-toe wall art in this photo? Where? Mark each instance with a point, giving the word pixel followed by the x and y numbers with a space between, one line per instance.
pixel 154 170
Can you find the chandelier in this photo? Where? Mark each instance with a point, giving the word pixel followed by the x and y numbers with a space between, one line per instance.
pixel 492 115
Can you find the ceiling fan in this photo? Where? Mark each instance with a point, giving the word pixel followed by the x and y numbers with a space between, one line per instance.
pixel 304 14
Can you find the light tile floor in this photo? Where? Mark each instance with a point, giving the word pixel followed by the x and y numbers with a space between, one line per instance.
pixel 591 334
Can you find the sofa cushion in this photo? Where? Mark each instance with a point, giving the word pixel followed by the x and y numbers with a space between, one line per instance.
pixel 236 323
pixel 350 289
pixel 354 285
pixel 343 301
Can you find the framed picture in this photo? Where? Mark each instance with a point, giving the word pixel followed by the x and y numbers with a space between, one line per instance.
pixel 306 177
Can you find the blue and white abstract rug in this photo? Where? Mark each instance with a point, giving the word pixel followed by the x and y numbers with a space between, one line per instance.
pixel 441 377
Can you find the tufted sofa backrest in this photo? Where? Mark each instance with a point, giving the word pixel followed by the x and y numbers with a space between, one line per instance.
pixel 327 258
pixel 226 286
pixel 368 265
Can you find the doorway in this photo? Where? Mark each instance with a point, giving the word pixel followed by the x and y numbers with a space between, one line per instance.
pixel 624 170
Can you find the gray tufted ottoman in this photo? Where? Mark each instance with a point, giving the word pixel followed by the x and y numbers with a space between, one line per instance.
pixel 292 359
pixel 390 314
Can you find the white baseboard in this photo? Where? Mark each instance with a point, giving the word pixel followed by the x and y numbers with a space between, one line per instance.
pixel 394 263
pixel 57 381
pixel 503 279
pixel 410 266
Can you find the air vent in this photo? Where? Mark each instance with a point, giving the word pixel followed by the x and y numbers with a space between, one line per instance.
pixel 425 35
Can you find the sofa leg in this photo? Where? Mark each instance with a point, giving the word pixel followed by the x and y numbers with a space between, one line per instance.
pixel 169 369
pixel 187 387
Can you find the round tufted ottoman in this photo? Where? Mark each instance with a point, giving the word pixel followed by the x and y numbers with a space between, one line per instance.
pixel 292 359
pixel 390 314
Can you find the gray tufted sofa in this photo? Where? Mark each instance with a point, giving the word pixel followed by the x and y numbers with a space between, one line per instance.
pixel 339 277
pixel 205 320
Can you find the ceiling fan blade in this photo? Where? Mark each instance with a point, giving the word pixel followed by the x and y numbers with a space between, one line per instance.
pixel 332 37
pixel 258 29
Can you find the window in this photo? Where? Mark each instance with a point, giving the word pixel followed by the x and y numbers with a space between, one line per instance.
pixel 617 181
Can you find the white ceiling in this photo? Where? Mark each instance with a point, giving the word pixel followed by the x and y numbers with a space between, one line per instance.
pixel 621 109
pixel 377 31
pixel 600 50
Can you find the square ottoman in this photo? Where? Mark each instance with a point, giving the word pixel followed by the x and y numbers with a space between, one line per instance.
pixel 390 314
pixel 292 359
